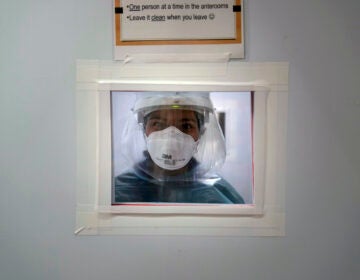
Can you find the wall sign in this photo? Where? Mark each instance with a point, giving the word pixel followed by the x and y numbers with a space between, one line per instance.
pixel 189 26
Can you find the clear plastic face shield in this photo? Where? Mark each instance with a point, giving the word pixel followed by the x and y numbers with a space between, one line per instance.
pixel 174 135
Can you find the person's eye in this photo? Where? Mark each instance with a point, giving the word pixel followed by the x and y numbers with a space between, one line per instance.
pixel 157 125
pixel 187 127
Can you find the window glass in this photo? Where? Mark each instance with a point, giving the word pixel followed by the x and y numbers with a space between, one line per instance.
pixel 182 147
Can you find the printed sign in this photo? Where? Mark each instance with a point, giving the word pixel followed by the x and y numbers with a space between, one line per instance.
pixel 171 26
pixel 174 20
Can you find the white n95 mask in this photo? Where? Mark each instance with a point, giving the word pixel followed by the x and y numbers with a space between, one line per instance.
pixel 170 148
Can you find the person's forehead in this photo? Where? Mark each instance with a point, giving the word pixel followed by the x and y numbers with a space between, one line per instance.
pixel 173 113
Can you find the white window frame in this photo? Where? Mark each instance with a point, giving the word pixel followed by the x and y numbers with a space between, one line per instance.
pixel 95 215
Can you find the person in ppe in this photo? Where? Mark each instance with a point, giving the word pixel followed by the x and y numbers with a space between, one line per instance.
pixel 175 147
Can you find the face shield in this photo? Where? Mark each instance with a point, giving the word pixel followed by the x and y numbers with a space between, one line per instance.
pixel 173 135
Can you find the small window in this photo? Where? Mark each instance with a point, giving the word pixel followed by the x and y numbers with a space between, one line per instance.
pixel 233 131
pixel 174 147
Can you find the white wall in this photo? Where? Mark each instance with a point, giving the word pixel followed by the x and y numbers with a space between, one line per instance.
pixel 320 39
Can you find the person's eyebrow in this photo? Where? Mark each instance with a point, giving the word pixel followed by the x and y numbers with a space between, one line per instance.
pixel 154 116
pixel 188 120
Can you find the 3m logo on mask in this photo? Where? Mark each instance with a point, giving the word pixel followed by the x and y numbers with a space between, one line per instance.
pixel 165 156
pixel 168 159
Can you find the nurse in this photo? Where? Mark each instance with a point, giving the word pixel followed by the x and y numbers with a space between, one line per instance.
pixel 175 146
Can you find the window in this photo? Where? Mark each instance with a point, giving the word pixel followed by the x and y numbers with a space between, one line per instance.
pixel 226 175
pixel 250 110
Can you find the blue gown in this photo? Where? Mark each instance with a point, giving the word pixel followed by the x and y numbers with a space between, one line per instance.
pixel 138 186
